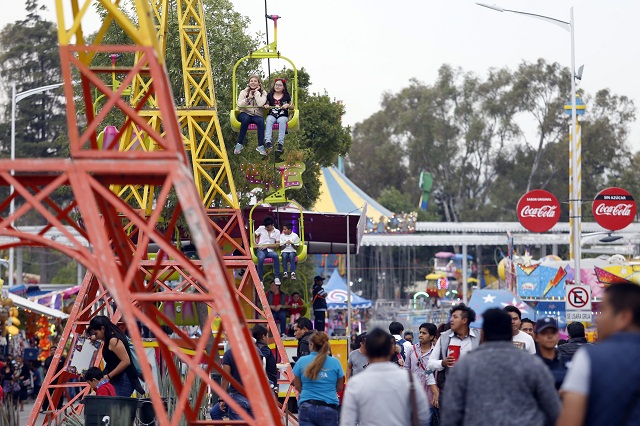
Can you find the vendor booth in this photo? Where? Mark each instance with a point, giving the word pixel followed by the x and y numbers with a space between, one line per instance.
pixel 337 296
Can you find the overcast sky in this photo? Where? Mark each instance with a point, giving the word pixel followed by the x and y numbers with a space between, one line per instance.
pixel 358 49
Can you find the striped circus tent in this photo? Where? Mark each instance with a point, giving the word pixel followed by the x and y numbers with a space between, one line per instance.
pixel 339 195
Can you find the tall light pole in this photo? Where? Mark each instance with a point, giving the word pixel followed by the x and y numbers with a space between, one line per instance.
pixel 575 178
pixel 15 98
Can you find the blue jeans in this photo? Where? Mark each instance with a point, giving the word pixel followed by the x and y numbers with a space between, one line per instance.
pixel 282 127
pixel 432 411
pixel 281 316
pixel 262 255
pixel 317 415
pixel 216 413
pixel 246 119
pixel 122 385
pixel 289 258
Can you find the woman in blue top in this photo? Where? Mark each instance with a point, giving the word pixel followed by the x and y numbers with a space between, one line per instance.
pixel 318 379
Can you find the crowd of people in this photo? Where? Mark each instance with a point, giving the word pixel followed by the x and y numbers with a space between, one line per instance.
pixel 20 379
pixel 512 371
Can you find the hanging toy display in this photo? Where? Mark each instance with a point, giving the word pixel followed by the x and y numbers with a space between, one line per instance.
pixel 31 324
pixel 8 320
pixel 13 322
pixel 43 333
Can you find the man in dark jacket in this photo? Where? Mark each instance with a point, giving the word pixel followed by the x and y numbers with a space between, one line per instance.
pixel 576 339
pixel 498 383
pixel 601 387
pixel 303 330
pixel 319 303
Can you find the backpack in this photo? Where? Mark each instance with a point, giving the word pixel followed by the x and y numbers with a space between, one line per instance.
pixel 269 364
pixel 401 343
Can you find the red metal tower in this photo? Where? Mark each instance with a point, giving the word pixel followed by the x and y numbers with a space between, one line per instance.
pixel 119 231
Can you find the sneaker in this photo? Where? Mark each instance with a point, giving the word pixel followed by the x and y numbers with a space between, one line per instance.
pixel 280 148
pixel 238 149
pixel 293 276
pixel 277 281
pixel 268 145
pixel 285 275
pixel 261 150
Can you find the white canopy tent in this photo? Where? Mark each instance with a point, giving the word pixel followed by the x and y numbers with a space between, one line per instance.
pixel 36 307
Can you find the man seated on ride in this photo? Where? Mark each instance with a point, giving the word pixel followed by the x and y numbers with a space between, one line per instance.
pixel 268 238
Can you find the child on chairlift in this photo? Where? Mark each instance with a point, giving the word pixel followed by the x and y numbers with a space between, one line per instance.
pixel 289 243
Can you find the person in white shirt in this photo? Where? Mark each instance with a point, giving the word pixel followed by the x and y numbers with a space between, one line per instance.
pixel 381 395
pixel 454 344
pixel 289 242
pixel 418 357
pixel 268 239
pixel 520 339
pixel 396 329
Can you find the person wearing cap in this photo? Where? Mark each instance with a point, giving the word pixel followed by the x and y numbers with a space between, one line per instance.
pixel 499 384
pixel 577 338
pixel 319 303
pixel 602 386
pixel 547 336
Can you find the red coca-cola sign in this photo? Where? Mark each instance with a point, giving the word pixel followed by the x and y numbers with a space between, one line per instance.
pixel 538 210
pixel 614 208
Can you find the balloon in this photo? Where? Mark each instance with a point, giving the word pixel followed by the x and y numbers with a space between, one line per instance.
pixel 15 321
pixel 501 271
pixel 13 330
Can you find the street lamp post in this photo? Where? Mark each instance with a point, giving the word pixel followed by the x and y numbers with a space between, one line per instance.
pixel 575 184
pixel 15 98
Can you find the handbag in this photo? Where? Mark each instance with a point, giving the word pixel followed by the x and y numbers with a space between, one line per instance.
pixel 134 358
pixel 414 403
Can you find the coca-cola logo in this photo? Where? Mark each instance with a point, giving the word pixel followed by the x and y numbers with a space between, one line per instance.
pixel 614 208
pixel 544 211
pixel 538 210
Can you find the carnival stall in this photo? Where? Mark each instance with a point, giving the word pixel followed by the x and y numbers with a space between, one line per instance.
pixel 337 297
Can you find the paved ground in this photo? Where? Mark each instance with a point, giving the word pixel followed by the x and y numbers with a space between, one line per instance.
pixel 24 415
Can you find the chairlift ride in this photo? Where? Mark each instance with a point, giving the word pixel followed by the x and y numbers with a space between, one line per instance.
pixel 270 51
pixel 292 208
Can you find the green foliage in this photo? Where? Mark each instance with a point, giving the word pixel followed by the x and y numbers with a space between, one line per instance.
pixel 396 201
pixel 29 59
pixel 67 274
pixel 468 133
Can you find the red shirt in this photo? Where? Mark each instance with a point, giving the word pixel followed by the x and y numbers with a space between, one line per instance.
pixel 277 299
pixel 106 389
pixel 296 307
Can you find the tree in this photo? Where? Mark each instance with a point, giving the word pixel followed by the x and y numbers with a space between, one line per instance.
pixel 396 201
pixel 321 139
pixel 468 133
pixel 377 155
pixel 453 129
pixel 30 59
pixel 543 90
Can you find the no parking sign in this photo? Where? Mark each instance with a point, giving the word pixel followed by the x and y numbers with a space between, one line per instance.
pixel 578 303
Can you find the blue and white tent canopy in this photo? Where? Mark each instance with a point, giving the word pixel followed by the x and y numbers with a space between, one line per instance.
pixel 336 289
pixel 481 300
